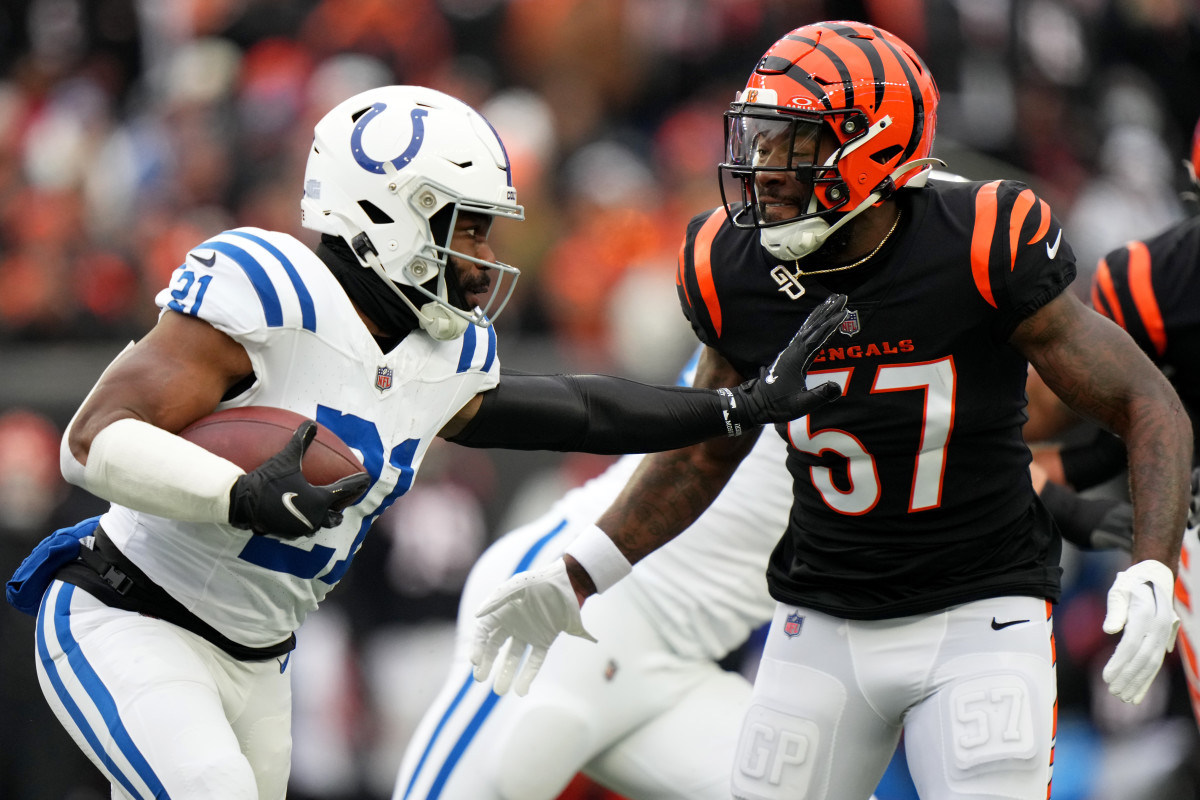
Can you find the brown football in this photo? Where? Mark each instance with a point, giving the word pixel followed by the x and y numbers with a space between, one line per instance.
pixel 250 435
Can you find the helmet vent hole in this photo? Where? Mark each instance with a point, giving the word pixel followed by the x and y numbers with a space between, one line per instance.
pixel 374 212
pixel 354 117
pixel 886 154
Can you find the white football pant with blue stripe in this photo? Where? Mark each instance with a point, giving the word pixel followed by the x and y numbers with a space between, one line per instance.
pixel 162 712
pixel 628 712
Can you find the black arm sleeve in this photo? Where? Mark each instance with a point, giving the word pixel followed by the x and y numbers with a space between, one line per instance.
pixel 593 414
pixel 1095 461
pixel 1089 523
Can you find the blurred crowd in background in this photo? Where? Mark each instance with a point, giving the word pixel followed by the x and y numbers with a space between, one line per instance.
pixel 131 130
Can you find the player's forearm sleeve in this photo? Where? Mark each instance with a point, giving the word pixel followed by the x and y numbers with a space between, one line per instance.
pixel 593 414
pixel 137 465
pixel 1090 523
pixel 1093 462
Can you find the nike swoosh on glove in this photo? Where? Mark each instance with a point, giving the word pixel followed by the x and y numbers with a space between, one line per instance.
pixel 1141 604
pixel 528 611
pixel 277 499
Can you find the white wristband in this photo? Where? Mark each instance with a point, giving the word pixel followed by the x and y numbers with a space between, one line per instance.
pixel 143 467
pixel 600 556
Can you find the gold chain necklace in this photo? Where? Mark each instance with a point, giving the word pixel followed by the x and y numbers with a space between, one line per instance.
pixel 799 274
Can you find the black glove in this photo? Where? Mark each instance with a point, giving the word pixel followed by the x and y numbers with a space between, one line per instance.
pixel 1090 523
pixel 277 499
pixel 779 395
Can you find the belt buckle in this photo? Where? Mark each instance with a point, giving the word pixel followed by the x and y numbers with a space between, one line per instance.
pixel 117 579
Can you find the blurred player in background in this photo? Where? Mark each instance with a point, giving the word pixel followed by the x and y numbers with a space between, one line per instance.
pixel 1151 288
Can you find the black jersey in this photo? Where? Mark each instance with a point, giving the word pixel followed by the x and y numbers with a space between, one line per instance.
pixel 912 490
pixel 1152 290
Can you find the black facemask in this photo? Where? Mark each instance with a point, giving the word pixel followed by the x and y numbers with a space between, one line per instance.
pixel 369 292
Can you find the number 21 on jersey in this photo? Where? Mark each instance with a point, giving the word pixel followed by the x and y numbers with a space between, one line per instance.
pixel 936 379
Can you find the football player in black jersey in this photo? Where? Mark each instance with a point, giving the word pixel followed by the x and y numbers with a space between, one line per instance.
pixel 1151 288
pixel 916 580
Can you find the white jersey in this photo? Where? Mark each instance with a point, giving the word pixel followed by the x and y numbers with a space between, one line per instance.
pixel 311 354
pixel 707 590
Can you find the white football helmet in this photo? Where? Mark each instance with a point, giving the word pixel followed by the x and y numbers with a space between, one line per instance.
pixel 382 164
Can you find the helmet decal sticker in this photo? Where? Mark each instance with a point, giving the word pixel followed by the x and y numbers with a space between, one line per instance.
pixel 401 161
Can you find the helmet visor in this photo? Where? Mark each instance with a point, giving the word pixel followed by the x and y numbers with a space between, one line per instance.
pixel 770 168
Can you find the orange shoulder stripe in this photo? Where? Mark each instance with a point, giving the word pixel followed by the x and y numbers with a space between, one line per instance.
pixel 981 239
pixel 1021 207
pixel 702 253
pixel 1143 295
pixel 1044 225
pixel 1102 284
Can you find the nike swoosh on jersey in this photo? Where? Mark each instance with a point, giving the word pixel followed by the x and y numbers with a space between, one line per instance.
pixel 208 262
pixel 295 512
pixel 999 626
pixel 1051 252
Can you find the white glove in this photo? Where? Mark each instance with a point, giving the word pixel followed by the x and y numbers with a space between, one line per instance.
pixel 1140 602
pixel 530 609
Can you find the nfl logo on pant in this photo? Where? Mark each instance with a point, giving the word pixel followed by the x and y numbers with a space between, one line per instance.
pixel 793 625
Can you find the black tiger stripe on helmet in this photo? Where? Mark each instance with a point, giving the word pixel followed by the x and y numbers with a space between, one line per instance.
pixel 829 69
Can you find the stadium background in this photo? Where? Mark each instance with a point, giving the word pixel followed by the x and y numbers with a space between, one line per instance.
pixel 132 129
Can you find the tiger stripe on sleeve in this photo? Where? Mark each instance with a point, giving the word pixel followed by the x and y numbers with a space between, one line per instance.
pixel 1002 215
pixel 695 280
pixel 1123 291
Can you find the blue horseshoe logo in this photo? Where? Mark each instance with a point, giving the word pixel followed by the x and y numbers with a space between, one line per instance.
pixel 404 159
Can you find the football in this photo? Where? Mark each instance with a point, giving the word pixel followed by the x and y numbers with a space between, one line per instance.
pixel 250 435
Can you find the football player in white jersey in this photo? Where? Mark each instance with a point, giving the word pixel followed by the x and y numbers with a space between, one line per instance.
pixel 647 712
pixel 163 645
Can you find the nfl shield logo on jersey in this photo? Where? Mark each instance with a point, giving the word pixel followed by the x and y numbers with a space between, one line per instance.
pixel 793 624
pixel 849 325
pixel 383 378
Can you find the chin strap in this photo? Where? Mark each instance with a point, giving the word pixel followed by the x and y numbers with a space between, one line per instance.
pixel 434 318
pixel 439 322
pixel 798 239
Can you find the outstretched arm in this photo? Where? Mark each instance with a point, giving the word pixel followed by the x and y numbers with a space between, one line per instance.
pixel 602 414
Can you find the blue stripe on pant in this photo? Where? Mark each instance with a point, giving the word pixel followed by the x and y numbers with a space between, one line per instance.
pixel 95 690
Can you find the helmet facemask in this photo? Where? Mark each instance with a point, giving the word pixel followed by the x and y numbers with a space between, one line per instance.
pixel 772 167
pixel 874 107
pixel 762 141
pixel 430 271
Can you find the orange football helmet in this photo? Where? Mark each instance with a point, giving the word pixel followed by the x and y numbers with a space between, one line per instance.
pixel 846 108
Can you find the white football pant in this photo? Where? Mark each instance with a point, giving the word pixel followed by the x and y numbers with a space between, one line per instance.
pixel 971 688
pixel 160 710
